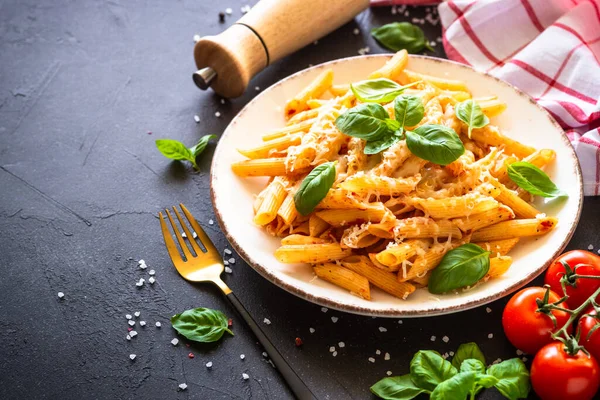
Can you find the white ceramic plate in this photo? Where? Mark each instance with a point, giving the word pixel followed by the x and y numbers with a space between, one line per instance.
pixel 523 120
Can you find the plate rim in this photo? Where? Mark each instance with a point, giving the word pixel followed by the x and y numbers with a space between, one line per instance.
pixel 392 312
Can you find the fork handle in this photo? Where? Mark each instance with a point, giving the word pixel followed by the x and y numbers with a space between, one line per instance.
pixel 298 387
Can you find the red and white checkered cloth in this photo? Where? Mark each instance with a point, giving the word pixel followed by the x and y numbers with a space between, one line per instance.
pixel 547 48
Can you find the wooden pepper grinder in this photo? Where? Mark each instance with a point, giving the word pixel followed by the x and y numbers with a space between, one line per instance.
pixel 271 30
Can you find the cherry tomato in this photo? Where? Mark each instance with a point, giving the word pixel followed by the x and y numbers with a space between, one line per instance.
pixel 581 289
pixel 556 375
pixel 527 329
pixel 585 325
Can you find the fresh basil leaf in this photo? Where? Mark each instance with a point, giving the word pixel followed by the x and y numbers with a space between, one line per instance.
pixel 467 351
pixel 314 188
pixel 396 388
pixel 470 113
pixel 408 110
pixel 428 369
pixel 485 380
pixel 460 267
pixel 436 143
pixel 201 324
pixel 513 378
pixel 380 90
pixel 377 146
pixel 529 177
pixel 174 149
pixel 457 387
pixel 392 124
pixel 365 121
pixel 401 35
pixel 201 145
pixel 472 365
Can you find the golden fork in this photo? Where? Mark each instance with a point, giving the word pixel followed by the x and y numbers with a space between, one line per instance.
pixel 201 266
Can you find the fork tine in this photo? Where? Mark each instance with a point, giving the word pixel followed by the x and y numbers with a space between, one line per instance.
pixel 190 236
pixel 171 246
pixel 208 244
pixel 184 248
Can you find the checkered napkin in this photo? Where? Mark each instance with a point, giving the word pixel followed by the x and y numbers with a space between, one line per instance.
pixel 547 48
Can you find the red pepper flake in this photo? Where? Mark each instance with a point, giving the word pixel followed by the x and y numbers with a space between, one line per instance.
pixel 191 355
pixel 229 323
pixel 187 345
pixel 149 132
pixel 299 342
pixel 129 329
pixel 547 224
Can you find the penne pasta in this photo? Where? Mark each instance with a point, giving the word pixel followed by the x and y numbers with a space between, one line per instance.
pixel 316 225
pixel 521 208
pixel 492 108
pixel 288 130
pixel 515 228
pixel 373 213
pixel 491 136
pixel 408 76
pixel 303 116
pixel 314 90
pixel 358 237
pixel 259 167
pixel 499 247
pixel 264 150
pixel 384 280
pixel 311 253
pixel 454 207
pixel 498 266
pixel 345 278
pixel 273 198
pixel 483 219
pixel 302 239
pixel 392 67
pixel 425 262
pixel 382 185
pixel 341 199
pixel 416 228
pixel 339 90
pixel 396 253
pixel 287 211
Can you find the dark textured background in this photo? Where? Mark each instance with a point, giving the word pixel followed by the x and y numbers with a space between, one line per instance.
pixel 81 84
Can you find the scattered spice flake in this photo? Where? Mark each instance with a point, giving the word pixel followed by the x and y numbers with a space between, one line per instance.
pixel 128 316
pixel 267 321
pixel 217 114
pixel 149 132
pixel 152 272
pixel 61 295
pixel 356 31
pixel 133 334
pixel 142 323
pixel 129 329
pixel 488 310
pixel 378 352
pixel 131 322
pixel 196 38
pixel 323 309
pixel 341 345
pixel 158 324
pixel 334 353
pixel 196 118
pixel 371 359
pixel 229 323
pixel 298 342
pixel 182 386
pixel 152 280
pixel 228 270
pixel 491 335
pixel 221 17
pixel 433 338
pixel 209 364
pixel 445 339
pixel 211 222
pixel 245 376
pixel 311 330
pixel 242 356
pixel 389 373
pixel 227 251
pixel 331 349
pixel 191 355
pixel 334 319
pixel 132 357
pixel 175 342
pixel 382 329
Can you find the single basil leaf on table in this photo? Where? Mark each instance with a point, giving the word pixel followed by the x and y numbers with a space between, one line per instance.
pixel 529 177
pixel 428 369
pixel 314 188
pixel 467 351
pixel 365 121
pixel 380 90
pixel 396 388
pixel 377 146
pixel 401 35
pixel 461 267
pixel 471 114
pixel 174 149
pixel 408 110
pixel 201 324
pixel 457 387
pixel 513 378
pixel 201 145
pixel 436 143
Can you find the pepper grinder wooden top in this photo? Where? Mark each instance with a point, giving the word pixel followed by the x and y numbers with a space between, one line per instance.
pixel 271 30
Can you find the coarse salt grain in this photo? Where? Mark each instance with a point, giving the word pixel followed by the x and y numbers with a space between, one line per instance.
pixel 222 101
pixel 341 345
pixel 491 335
pixel 217 114
pixel 142 264
pixel 331 349
pixel 196 118
pixel 228 11
pixel 209 364
pixel 378 352
pixel 400 321
pixel 158 324
pixel 242 356
pixel 175 341
pixel 132 357
pixel 140 283
pixel 267 321
pixel 60 295
pixel 257 88
pixel 152 272
pixel 591 247
pixel 311 330
pixel 356 31
pixel 131 322
pixel 323 309
pixel 211 222
pixel 227 251
pixel 245 9
pixel 488 310
pixel 183 235
pixel 137 314
pixel 389 373
pixel 133 334
pixel 264 354
pixel 196 38
pixel 142 323
pixel 371 359
pixel 433 338
pixel 334 353
pixel 228 270
pixel 334 319
pixel 194 235
pixel 152 280
pixel 231 260
pixel 519 352
pixel 128 316
pixel 445 339
pixel 382 329
pixel 386 356
pixel 182 386
pixel 451 353
pixel 225 262
pixel 524 359
pixel 245 376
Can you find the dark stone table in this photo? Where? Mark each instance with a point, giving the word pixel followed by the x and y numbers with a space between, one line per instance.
pixel 82 85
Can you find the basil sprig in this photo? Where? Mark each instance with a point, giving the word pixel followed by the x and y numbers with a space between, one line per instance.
pixel 529 177
pixel 401 35
pixel 471 114
pixel 460 267
pixel 201 324
pixel 380 90
pixel 175 150
pixel 314 188
pixel 436 143
pixel 431 374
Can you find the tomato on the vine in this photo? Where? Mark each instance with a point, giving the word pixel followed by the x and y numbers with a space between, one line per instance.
pixel 556 375
pixel 525 327
pixel 580 289
pixel 586 324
